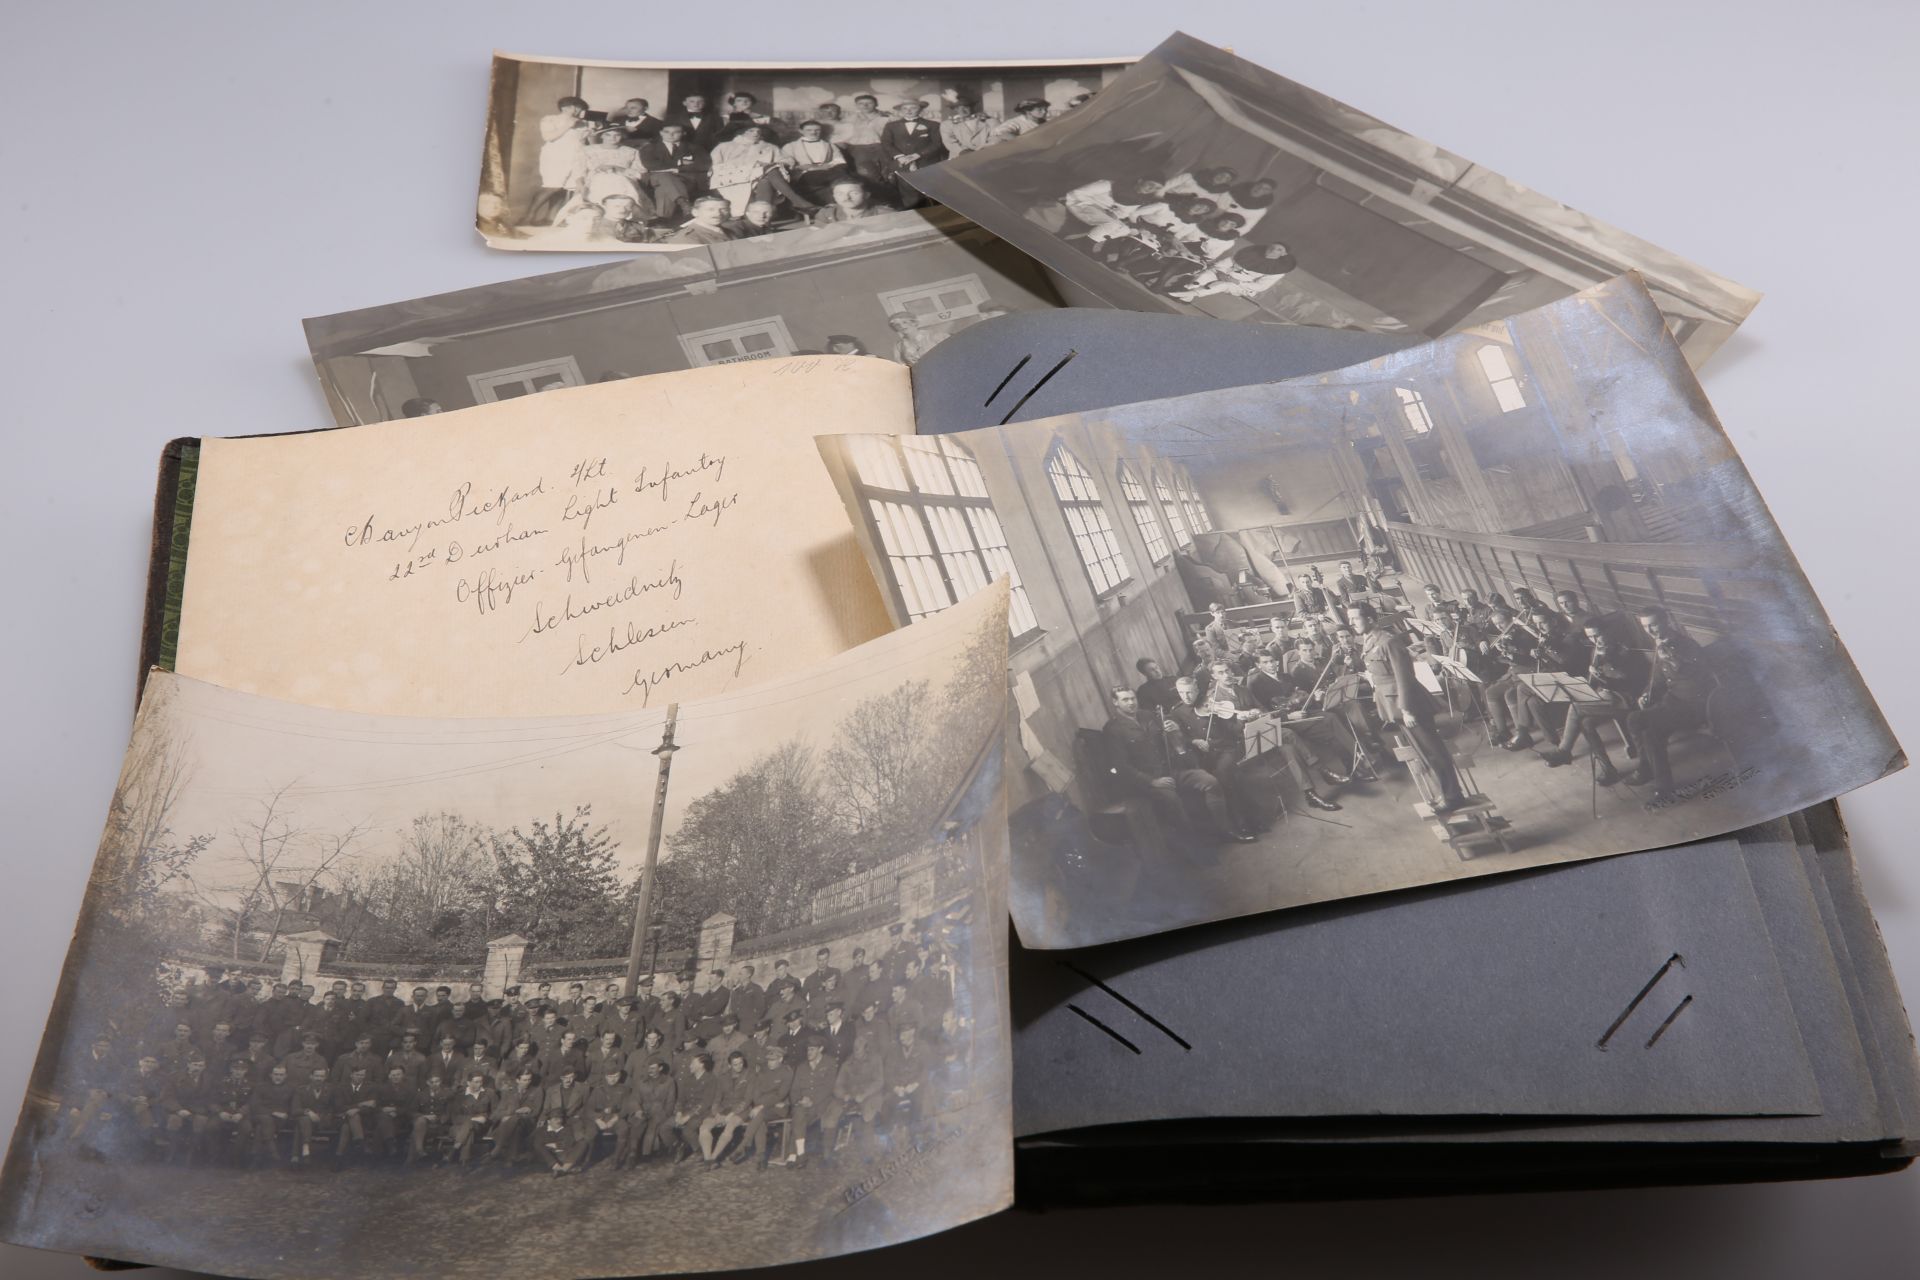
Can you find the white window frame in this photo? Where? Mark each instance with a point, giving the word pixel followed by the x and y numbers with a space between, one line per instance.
pixel 482 384
pixel 1413 407
pixel 774 327
pixel 892 300
pixel 1504 381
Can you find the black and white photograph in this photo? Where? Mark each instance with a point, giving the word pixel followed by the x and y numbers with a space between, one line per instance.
pixel 894 285
pixel 612 156
pixel 1202 184
pixel 1499 601
pixel 719 984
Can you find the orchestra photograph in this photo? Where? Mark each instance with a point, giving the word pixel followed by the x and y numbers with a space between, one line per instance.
pixel 610 156
pixel 1202 184
pixel 409 975
pixel 1499 601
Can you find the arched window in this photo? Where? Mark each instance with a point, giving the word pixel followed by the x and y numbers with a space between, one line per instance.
pixel 1500 375
pixel 1414 406
pixel 1093 537
pixel 931 513
pixel 1141 506
pixel 1171 506
pixel 1199 519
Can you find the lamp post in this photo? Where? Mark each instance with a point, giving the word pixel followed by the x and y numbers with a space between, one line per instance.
pixel 644 907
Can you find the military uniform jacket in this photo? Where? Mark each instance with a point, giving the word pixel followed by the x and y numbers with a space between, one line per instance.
pixel 769 1086
pixel 344 1065
pixel 839 1041
pixel 793 1046
pixel 399 1098
pixel 653 1098
pixel 348 1098
pixel 608 1101
pixel 467 1105
pixel 431 1102
pixel 567 1100
pixel 525 1103
pixel 908 1013
pixel 300 1065
pixel 696 1095
pixel 450 1067
pixel 149 1088
pixel 749 1000
pixel 266 1098
pixel 730 1092
pixel 903 1068
pixel 414 1064
pixel 812 1083
pixel 1681 669
pixel 816 982
pixel 231 1097
pixel 859 1078
pixel 317 1099
pixel 853 987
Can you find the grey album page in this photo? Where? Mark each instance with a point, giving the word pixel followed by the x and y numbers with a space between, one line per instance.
pixel 1644 986
pixel 1023 365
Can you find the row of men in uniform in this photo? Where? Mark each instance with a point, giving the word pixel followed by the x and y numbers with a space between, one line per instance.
pixel 287 1009
pixel 543 1105
pixel 226 1025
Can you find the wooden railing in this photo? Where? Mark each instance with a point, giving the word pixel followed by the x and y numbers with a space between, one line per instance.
pixel 1711 587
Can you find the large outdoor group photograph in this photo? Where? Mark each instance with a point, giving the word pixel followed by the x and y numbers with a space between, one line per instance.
pixel 740 954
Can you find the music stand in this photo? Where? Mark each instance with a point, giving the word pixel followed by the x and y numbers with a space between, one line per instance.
pixel 1553 686
pixel 1340 691
pixel 1428 627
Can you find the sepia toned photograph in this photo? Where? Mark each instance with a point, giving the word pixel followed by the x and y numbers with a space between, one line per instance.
pixel 894 285
pixel 1202 184
pixel 1499 601
pixel 611 156
pixel 719 984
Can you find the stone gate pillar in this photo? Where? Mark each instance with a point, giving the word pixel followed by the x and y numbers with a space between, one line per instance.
pixel 505 958
pixel 716 947
pixel 304 953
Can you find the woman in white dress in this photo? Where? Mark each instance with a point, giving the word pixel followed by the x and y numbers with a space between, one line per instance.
pixel 738 164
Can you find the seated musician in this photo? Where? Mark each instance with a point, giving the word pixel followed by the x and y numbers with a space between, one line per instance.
pixel 1435 609
pixel 1159 764
pixel 1674 700
pixel 1157 689
pixel 1617 670
pixel 1350 585
pixel 1557 648
pixel 1304 660
pixel 1478 613
pixel 1307 743
pixel 1510 641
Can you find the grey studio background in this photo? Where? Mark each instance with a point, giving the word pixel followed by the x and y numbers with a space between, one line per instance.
pixel 184 182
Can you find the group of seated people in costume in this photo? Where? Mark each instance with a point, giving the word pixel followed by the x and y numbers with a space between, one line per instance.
pixel 234 1072
pixel 702 175
pixel 1185 236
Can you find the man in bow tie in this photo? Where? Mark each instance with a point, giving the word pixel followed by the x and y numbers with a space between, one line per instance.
pixel 910 143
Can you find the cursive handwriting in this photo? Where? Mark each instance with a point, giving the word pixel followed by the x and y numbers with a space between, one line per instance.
pixel 646 681
pixel 583 556
pixel 650 484
pixel 620 638
pixel 545 620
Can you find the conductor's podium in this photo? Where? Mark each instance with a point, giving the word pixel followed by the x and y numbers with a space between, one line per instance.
pixel 1474 827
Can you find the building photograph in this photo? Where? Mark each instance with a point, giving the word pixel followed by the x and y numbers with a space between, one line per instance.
pixel 894 286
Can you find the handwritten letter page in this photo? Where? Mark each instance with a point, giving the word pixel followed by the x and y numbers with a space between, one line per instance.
pixel 603 548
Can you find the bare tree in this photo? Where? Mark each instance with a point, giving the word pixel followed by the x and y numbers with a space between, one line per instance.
pixel 878 758
pixel 285 864
pixel 140 855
